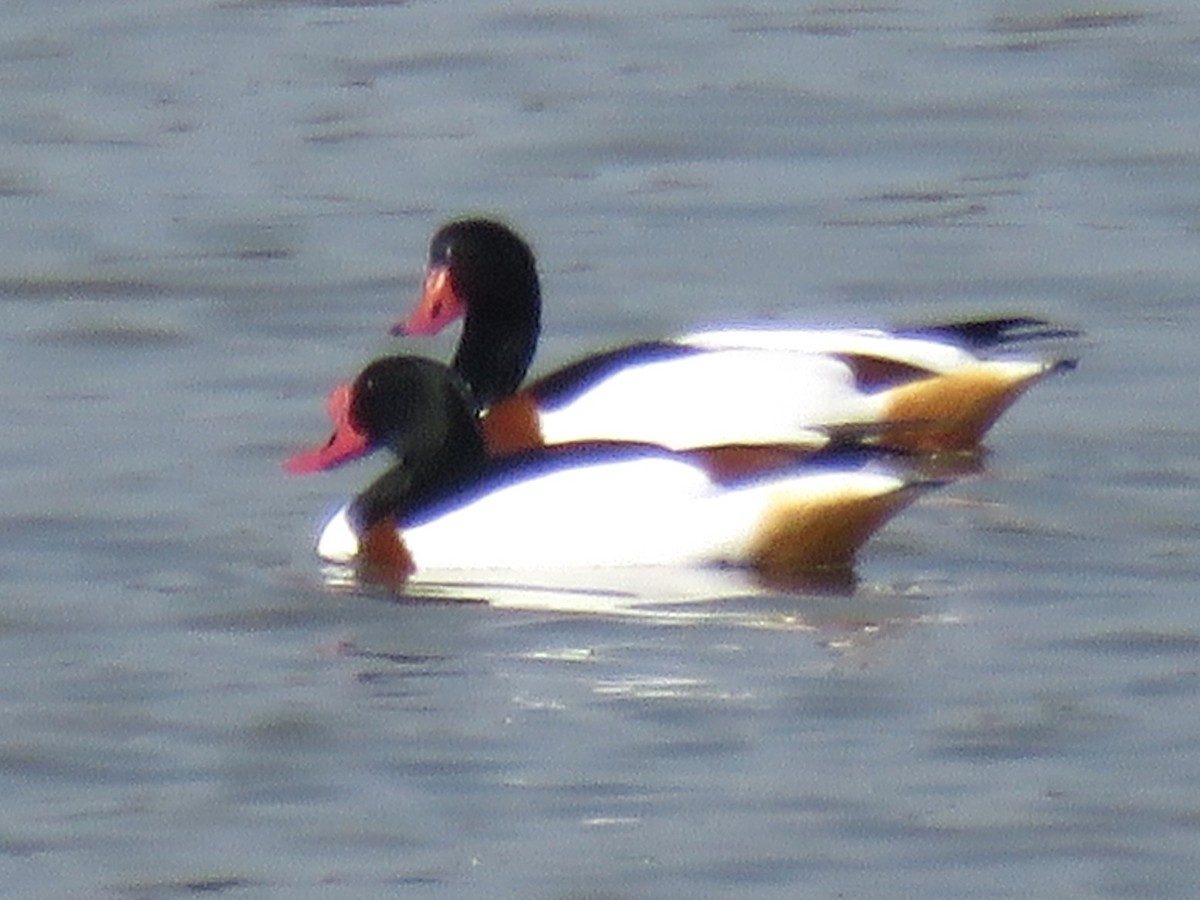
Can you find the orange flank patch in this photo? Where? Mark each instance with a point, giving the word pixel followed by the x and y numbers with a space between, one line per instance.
pixel 383 557
pixel 730 463
pixel 512 425
pixel 800 536
pixel 954 411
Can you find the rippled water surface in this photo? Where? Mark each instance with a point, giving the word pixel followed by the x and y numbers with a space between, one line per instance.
pixel 210 212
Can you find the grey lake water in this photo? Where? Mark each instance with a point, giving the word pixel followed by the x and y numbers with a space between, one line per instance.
pixel 211 211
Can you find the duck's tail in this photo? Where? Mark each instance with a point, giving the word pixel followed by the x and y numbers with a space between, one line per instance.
pixel 820 525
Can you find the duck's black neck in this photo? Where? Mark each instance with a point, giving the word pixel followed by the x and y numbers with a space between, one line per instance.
pixel 419 478
pixel 497 347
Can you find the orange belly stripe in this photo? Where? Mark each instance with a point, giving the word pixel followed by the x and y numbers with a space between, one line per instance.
pixel 382 557
pixel 512 425
pixel 731 463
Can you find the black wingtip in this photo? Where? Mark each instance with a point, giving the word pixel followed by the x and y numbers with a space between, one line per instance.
pixel 994 332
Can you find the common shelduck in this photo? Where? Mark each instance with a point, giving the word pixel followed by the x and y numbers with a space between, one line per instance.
pixel 926 389
pixel 448 504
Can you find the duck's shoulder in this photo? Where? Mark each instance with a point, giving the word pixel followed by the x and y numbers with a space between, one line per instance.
pixel 562 475
pixel 567 383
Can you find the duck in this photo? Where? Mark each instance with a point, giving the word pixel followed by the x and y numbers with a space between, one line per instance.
pixel 447 503
pixel 923 389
